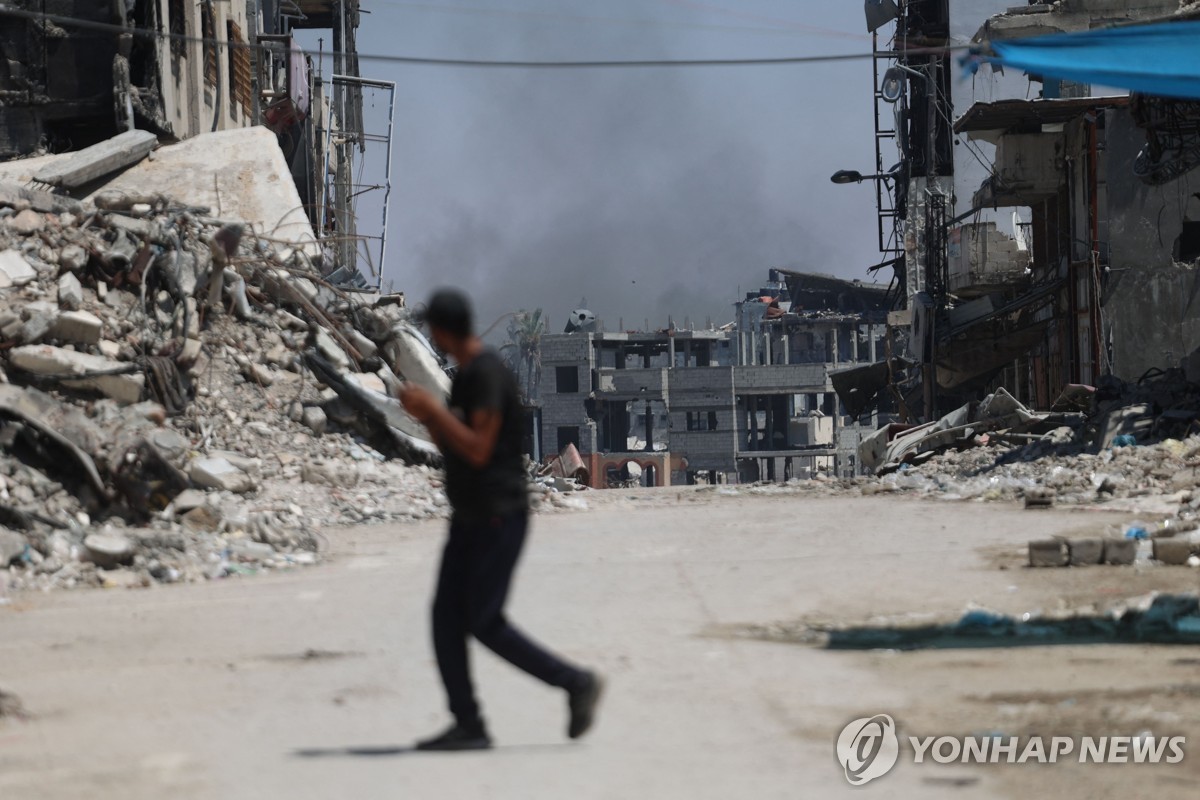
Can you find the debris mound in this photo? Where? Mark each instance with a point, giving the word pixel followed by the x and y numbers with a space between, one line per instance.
pixel 183 397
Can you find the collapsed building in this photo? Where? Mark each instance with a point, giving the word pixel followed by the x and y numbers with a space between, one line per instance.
pixel 752 400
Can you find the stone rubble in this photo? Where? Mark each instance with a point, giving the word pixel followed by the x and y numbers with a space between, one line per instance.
pixel 157 420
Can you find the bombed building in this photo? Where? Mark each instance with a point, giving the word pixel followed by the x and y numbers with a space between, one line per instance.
pixel 1076 257
pixel 751 400
pixel 77 73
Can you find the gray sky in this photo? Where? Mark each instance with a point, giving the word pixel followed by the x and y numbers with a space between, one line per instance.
pixel 647 192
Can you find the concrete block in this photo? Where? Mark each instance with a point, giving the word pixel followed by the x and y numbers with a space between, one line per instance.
pixel 77 326
pixel 1085 551
pixel 37 324
pixel 1120 551
pixel 314 419
pixel 14 269
pixel 41 359
pixel 70 292
pixel 1048 553
pixel 218 473
pixel 1172 551
pixel 108 549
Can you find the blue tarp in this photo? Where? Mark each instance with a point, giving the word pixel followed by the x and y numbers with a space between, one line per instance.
pixel 1159 59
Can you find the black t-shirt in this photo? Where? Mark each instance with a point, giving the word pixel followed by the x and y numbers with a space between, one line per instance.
pixel 500 486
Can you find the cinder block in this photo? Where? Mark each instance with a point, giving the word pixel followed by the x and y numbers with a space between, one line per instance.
pixel 1048 553
pixel 1172 551
pixel 1120 551
pixel 1085 551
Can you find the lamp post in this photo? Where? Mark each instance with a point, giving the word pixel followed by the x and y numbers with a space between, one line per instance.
pixel 843 176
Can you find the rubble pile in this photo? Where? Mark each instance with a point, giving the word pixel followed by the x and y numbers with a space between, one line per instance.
pixel 183 398
pixel 1112 441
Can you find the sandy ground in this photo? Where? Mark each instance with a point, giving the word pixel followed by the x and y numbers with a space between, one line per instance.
pixel 312 684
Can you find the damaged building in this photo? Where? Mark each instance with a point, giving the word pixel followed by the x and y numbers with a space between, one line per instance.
pixel 752 400
pixel 75 74
pixel 1077 256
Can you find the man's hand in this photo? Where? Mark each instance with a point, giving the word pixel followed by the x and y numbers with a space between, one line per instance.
pixel 419 402
pixel 474 439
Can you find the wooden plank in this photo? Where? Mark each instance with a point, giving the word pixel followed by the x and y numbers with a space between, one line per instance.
pixel 77 169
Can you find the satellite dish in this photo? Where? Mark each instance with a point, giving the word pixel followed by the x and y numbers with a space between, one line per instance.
pixel 581 320
pixel 880 13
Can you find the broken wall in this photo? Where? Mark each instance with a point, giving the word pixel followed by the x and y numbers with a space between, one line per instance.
pixel 565 411
pixel 56 86
pixel 205 87
pixel 1151 311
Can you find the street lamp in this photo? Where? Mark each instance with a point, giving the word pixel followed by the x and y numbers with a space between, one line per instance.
pixel 843 176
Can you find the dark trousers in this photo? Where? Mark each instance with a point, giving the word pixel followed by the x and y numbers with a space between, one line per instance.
pixel 477 568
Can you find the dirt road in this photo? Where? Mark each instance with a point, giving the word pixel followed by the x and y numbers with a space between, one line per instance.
pixel 311 684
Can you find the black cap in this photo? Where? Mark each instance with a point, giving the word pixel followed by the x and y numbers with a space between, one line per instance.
pixel 448 310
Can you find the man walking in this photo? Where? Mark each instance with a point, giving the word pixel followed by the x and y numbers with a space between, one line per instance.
pixel 480 435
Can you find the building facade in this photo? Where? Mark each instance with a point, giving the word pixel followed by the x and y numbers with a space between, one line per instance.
pixel 751 401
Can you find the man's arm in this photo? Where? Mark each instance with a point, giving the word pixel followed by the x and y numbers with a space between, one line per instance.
pixel 474 440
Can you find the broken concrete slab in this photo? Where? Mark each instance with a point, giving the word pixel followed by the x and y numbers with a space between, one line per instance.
pixel 15 270
pixel 218 473
pixel 238 174
pixel 410 356
pixel 116 379
pixel 77 326
pixel 84 166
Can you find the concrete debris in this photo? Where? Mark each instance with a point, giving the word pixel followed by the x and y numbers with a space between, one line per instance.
pixel 12 546
pixel 86 165
pixel 14 269
pixel 314 419
pixel 218 473
pixel 70 292
pixel 108 549
pixel 153 340
pixel 74 369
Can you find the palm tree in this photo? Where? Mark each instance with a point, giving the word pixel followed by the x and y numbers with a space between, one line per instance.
pixel 524 349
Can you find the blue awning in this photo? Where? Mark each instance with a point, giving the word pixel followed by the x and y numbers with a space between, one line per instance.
pixel 1158 59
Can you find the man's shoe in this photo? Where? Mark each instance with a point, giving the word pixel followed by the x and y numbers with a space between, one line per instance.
pixel 582 703
pixel 458 737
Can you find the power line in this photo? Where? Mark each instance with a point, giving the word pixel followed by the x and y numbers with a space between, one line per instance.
pixel 107 27
pixel 553 16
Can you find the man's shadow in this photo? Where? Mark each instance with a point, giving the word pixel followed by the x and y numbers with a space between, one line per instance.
pixel 350 752
pixel 378 751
